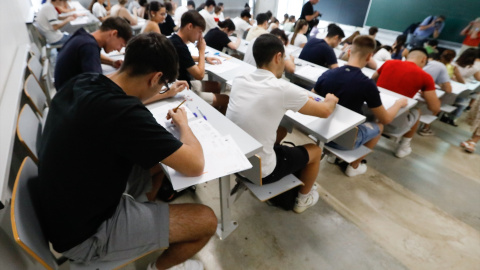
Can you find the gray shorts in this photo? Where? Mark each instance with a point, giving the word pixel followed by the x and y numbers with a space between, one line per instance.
pixel 134 229
pixel 403 123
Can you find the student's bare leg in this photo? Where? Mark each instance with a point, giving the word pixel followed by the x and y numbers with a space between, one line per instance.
pixel 220 101
pixel 157 178
pixel 411 132
pixel 281 134
pixel 370 144
pixel 191 227
pixel 309 174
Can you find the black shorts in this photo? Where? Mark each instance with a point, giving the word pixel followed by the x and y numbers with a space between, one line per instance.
pixel 289 160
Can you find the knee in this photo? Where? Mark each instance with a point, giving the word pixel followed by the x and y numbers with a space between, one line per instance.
pixel 209 219
pixel 314 152
pixel 380 127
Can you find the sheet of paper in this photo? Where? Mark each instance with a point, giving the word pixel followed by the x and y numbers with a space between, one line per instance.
pixel 80 20
pixel 301 118
pixel 160 113
pixel 222 156
pixel 309 72
pixel 225 66
pixel 387 100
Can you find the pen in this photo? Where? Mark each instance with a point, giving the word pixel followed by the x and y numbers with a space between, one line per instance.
pixel 201 113
pixel 175 110
pixel 194 113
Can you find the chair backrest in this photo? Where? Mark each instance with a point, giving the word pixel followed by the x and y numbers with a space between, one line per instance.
pixel 26 227
pixel 28 130
pixel 47 78
pixel 35 69
pixel 35 94
pixel 35 51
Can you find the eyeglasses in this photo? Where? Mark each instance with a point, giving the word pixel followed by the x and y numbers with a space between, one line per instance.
pixel 165 84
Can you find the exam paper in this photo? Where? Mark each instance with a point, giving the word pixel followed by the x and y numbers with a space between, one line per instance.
pixel 225 66
pixel 160 114
pixel 387 100
pixel 80 20
pixel 309 72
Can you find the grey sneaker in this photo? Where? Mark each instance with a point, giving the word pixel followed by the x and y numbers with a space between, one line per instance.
pixel 310 200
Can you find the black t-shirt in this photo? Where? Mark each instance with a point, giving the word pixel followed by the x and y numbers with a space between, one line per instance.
pixel 217 39
pixel 307 10
pixel 184 58
pixel 93 136
pixel 351 87
pixel 167 26
pixel 317 51
pixel 79 54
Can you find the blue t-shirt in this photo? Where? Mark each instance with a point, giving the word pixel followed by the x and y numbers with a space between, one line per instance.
pixel 78 55
pixel 351 87
pixel 317 51
pixel 429 31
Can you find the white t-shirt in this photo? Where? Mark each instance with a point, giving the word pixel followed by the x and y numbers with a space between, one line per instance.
pixel 209 20
pixel 466 72
pixel 178 14
pixel 299 39
pixel 98 10
pixel 248 57
pixel 240 26
pixel 288 27
pixel 382 55
pixel 255 32
pixel 46 17
pixel 258 102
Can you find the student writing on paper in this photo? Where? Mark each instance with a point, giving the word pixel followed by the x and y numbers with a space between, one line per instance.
pixel 242 23
pixel 407 78
pixel 99 10
pixel 100 153
pixel 192 26
pixel 218 39
pixel 81 53
pixel 259 101
pixel 354 89
pixel 50 22
pixel 320 51
pixel 260 28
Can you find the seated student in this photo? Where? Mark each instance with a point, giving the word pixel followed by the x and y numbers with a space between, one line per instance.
pixel 439 73
pixel 285 19
pixel 289 59
pixel 353 89
pixel 298 37
pixel 290 25
pixel 49 23
pixel 221 16
pixel 347 45
pixel 372 31
pixel 63 7
pixel 122 12
pixel 192 26
pixel 217 37
pixel 260 28
pixel 399 50
pixel 320 51
pixel 259 101
pixel 274 24
pixel 156 14
pixel 81 53
pixel 406 78
pixel 446 58
pixel 99 10
pixel 431 48
pixel 99 144
pixel 383 53
pixel 216 13
pixel 242 23
pixel 182 9
pixel 167 26
pixel 206 13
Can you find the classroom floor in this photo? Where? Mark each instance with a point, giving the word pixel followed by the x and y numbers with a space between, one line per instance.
pixel 420 212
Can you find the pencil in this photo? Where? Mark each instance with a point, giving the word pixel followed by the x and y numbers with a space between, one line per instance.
pixel 175 110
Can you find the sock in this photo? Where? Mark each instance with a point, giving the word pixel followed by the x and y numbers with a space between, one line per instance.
pixel 405 141
pixel 302 196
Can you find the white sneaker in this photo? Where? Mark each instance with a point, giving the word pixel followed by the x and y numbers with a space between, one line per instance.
pixel 361 169
pixel 186 265
pixel 331 159
pixel 302 204
pixel 403 150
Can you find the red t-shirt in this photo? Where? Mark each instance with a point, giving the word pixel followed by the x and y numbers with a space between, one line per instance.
pixel 404 77
pixel 474 42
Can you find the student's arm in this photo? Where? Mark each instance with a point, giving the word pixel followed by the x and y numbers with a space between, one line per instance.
pixel 109 61
pixel 332 66
pixel 433 103
pixel 235 45
pixel 311 17
pixel 477 75
pixel 446 86
pixel 424 24
pixel 188 159
pixel 125 14
pixel 375 76
pixel 64 22
pixel 320 109
pixel 175 88
pixel 386 116
pixel 109 6
pixel 198 70
pixel 405 52
pixel 372 64
pixel 458 77
pixel 465 30
pixel 290 65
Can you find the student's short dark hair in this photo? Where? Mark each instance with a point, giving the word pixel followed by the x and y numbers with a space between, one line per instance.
pixel 432 42
pixel 335 30
pixel 191 3
pixel 245 13
pixel 261 18
pixel 220 4
pixel 121 25
pixel 363 45
pixel 373 30
pixel 209 3
pixel 193 17
pixel 269 14
pixel 266 46
pixel 168 6
pixel 227 24
pixel 151 52
pixel 281 34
